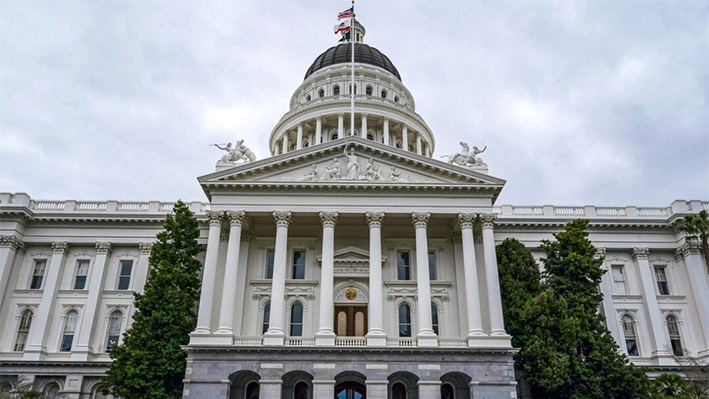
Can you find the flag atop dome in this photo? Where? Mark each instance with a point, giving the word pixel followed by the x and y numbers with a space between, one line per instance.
pixel 348 13
pixel 342 26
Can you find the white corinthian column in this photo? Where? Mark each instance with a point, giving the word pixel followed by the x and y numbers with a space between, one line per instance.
pixel 275 334
pixel 326 332
pixel 472 287
pixel 209 278
pixel 376 335
pixel 226 315
pixel 494 298
pixel 425 335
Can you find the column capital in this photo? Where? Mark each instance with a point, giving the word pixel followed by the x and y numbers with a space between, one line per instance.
pixel 600 252
pixel 340 114
pixel 103 247
pixel 282 218
pixel 487 220
pixel 691 246
pixel 375 219
pixel 420 219
pixel 60 247
pixel 215 218
pixel 145 247
pixel 11 241
pixel 328 219
pixel 236 218
pixel 640 253
pixel 466 220
pixel 364 114
pixel 456 237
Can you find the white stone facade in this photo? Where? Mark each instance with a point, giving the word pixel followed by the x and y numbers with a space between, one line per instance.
pixel 356 264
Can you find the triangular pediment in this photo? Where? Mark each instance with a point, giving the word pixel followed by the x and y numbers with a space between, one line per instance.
pixel 347 162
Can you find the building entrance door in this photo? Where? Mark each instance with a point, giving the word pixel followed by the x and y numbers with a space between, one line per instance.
pixel 351 321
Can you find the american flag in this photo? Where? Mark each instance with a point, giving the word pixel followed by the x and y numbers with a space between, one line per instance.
pixel 348 13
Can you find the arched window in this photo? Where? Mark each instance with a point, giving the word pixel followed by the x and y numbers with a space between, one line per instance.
pixel 321 93
pixel 447 391
pixel 404 320
pixel 266 317
pixel 300 391
pixel 69 328
pixel 307 98
pixel 355 89
pixel 334 136
pixel 396 99
pixel 23 330
pixel 114 329
pixel 631 342
pixel 306 143
pixel 296 320
pixel 398 391
pixel 370 136
pixel 675 339
pixel 252 390
pixel 384 94
pixel 52 391
pixel 434 317
pixel 368 91
pixel 98 393
pixel 336 91
pixel 5 390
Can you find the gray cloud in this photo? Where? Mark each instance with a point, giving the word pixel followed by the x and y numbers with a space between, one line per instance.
pixel 601 103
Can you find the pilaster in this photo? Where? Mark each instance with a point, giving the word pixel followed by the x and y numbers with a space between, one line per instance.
pixel 690 255
pixel 143 267
pixel 660 353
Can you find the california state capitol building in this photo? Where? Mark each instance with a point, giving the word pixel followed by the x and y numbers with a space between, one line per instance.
pixel 351 262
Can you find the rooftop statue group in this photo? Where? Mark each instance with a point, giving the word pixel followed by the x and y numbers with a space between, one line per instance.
pixel 237 153
pixel 466 157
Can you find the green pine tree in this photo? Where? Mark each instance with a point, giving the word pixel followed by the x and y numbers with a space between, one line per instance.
pixel 565 349
pixel 150 363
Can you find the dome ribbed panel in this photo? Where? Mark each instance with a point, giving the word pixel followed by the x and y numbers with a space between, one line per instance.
pixel 364 54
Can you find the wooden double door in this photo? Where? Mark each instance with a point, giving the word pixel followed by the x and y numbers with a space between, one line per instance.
pixel 351 321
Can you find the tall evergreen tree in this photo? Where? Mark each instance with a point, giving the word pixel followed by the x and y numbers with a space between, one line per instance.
pixel 150 363
pixel 565 349
pixel 519 283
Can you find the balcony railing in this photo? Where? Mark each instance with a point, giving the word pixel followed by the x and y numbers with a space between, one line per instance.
pixel 452 342
pixel 350 341
pixel 401 342
pixel 248 341
pixel 300 341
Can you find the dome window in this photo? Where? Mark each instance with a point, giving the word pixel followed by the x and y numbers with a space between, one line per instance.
pixel 336 91
pixel 396 99
pixel 321 93
pixel 369 91
pixel 370 136
pixel 384 94
pixel 334 136
pixel 355 89
pixel 307 98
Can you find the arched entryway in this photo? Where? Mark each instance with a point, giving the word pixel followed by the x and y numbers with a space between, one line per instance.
pixel 350 385
pixel 455 385
pixel 244 385
pixel 297 384
pixel 403 385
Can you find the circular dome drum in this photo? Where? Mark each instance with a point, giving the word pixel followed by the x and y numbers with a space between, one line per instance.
pixel 341 54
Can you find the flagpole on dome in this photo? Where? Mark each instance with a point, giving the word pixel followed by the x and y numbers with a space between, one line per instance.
pixel 352 84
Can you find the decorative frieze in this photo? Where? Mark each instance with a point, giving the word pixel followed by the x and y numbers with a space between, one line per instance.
pixel 328 219
pixel 103 248
pixel 420 219
pixel 282 218
pixel 375 219
pixel 60 247
pixel 640 253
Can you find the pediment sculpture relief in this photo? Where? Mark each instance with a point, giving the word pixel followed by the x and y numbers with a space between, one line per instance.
pixel 234 154
pixel 353 171
pixel 466 157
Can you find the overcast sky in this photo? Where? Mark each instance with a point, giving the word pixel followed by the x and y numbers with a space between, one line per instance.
pixel 603 103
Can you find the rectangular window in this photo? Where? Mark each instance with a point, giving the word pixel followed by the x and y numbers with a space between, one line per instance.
pixel 38 274
pixel 82 270
pixel 298 265
pixel 432 266
pixel 618 280
pixel 270 256
pixel 126 268
pixel 662 287
pixel 403 266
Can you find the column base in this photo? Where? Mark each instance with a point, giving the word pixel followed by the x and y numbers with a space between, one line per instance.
pixel 325 338
pixel 490 341
pixel 274 338
pixel 223 338
pixel 200 338
pixel 34 354
pixel 663 358
pixel 498 333
pixel 427 341
pixel 376 338
pixel 82 353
